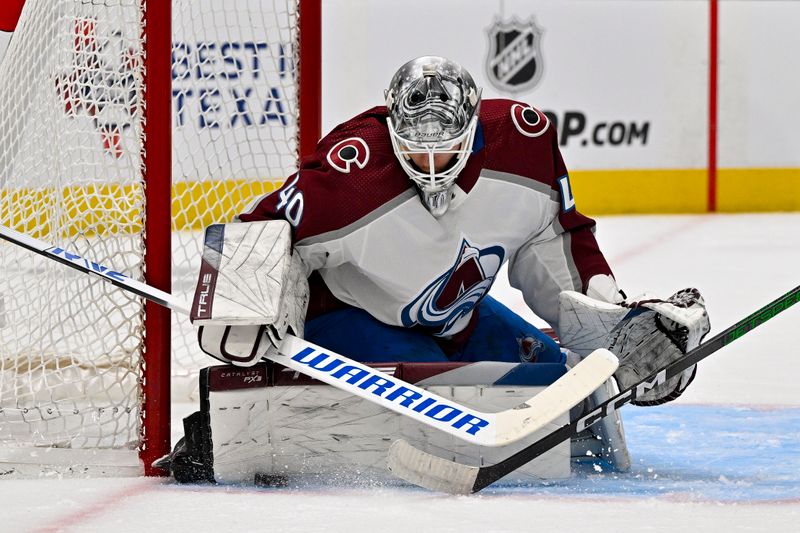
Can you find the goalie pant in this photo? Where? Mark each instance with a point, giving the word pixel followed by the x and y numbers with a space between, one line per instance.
pixel 252 290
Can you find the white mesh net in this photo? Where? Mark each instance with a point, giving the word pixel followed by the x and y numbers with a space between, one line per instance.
pixel 71 101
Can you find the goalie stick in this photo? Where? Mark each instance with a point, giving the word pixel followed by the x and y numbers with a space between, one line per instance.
pixel 439 474
pixel 470 425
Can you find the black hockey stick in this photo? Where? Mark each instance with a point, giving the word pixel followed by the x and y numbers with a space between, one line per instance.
pixel 436 473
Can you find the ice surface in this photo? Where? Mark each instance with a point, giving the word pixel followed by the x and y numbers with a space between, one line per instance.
pixel 724 457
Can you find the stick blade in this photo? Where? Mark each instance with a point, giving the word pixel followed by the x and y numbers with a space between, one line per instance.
pixel 559 397
pixel 442 475
pixel 426 470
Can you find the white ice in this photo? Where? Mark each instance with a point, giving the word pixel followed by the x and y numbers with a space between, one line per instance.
pixel 739 262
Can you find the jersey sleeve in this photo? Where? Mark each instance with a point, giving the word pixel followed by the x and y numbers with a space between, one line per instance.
pixel 287 203
pixel 562 252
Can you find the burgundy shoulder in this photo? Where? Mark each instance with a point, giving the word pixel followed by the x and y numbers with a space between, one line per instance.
pixel 510 119
pixel 520 140
pixel 352 173
pixel 354 145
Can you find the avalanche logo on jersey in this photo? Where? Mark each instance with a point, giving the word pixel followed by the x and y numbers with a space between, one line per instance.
pixel 452 296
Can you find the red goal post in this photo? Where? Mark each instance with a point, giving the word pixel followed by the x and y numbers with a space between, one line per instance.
pixel 129 125
pixel 9 14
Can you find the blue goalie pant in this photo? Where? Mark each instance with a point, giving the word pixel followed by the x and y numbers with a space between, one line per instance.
pixel 500 335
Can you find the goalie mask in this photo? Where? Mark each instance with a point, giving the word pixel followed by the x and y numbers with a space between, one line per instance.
pixel 433 111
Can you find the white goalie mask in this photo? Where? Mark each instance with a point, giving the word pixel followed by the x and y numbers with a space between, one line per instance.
pixel 433 110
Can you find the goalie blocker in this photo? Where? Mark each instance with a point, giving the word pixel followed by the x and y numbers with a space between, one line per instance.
pixel 252 290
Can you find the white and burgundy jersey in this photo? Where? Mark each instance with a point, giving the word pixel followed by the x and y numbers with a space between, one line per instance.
pixel 358 221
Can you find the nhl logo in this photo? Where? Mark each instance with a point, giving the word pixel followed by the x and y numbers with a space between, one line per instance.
pixel 514 61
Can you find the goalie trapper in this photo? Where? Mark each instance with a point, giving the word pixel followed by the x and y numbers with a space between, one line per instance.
pixel 265 424
pixel 645 333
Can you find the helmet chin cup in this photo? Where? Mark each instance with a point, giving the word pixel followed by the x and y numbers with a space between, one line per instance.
pixel 436 202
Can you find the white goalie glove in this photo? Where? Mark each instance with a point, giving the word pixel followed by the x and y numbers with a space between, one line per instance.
pixel 251 291
pixel 646 334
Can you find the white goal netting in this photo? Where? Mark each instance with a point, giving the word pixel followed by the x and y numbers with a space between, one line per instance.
pixel 71 127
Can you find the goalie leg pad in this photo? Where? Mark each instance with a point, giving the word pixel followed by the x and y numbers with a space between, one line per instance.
pixel 265 421
pixel 604 441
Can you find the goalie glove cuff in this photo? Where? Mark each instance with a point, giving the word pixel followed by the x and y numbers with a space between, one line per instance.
pixel 604 288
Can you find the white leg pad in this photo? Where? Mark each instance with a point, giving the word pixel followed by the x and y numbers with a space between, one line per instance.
pixel 317 430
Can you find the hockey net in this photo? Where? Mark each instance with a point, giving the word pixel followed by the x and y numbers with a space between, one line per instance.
pixel 74 123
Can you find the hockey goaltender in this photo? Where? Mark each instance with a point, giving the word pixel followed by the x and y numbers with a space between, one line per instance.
pixel 383 247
